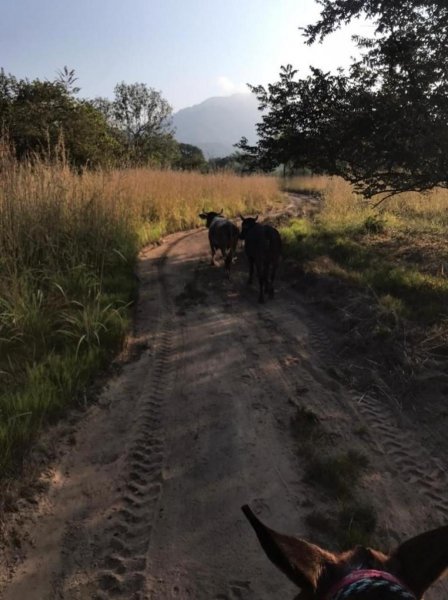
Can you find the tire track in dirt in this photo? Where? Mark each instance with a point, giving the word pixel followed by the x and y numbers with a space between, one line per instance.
pixel 422 476
pixel 123 572
pixel 413 463
pixel 295 370
pixel 415 466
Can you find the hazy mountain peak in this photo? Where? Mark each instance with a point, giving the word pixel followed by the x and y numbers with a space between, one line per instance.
pixel 217 123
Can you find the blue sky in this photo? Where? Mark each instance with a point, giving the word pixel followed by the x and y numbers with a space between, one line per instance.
pixel 190 50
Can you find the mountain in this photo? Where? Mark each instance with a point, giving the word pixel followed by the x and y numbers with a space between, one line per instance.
pixel 217 123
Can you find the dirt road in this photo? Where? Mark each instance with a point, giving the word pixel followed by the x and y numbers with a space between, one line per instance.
pixel 145 499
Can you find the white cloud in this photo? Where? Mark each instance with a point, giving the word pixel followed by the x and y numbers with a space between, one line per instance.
pixel 229 87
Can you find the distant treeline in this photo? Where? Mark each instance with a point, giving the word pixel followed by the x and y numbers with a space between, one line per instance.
pixel 47 119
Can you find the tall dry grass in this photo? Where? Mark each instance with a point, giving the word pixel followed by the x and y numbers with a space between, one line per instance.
pixel 342 206
pixel 305 183
pixel 166 201
pixel 68 243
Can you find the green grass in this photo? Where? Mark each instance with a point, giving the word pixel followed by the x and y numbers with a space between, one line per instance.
pixel 57 330
pixel 398 250
pixel 305 422
pixel 307 431
pixel 356 524
pixel 338 474
pixel 353 523
pixel 417 294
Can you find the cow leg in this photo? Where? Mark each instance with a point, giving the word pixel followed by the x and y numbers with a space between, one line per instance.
pixel 233 247
pixel 266 277
pixel 261 282
pixel 271 285
pixel 228 262
pixel 251 271
pixel 212 248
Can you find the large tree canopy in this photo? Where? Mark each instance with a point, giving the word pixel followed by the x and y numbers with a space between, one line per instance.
pixel 42 117
pixel 190 158
pixel 47 118
pixel 143 117
pixel 383 123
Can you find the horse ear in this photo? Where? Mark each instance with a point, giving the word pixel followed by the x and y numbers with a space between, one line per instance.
pixel 256 218
pixel 299 560
pixel 420 561
pixel 241 217
pixel 222 210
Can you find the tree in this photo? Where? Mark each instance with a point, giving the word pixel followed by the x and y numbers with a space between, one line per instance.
pixel 381 124
pixel 161 150
pixel 236 162
pixel 190 158
pixel 67 78
pixel 8 90
pixel 143 117
pixel 38 115
pixel 293 131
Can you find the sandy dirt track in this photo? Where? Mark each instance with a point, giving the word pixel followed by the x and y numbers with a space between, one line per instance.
pixel 146 501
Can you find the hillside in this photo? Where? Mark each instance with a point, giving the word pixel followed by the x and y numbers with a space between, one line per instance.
pixel 216 124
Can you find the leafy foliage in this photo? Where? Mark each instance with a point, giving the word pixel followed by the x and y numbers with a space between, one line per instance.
pixel 190 158
pixel 383 123
pixel 141 116
pixel 44 117
pixel 236 162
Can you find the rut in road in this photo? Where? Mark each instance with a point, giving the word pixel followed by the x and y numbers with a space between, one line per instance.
pixel 146 504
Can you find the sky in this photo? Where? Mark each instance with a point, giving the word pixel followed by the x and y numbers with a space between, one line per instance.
pixel 189 50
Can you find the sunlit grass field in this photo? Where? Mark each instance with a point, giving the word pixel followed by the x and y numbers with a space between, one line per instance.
pixel 398 249
pixel 68 246
pixel 305 183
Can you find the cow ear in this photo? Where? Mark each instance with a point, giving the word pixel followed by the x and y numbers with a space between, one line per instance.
pixel 256 218
pixel 299 560
pixel 202 215
pixel 420 561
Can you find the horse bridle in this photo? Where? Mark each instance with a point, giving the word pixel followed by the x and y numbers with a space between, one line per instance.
pixel 362 580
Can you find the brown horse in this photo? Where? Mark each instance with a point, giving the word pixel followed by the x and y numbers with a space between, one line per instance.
pixel 358 574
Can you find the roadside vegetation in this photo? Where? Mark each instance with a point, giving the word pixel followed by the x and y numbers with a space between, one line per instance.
pixel 305 184
pixel 337 476
pixel 398 249
pixel 68 246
